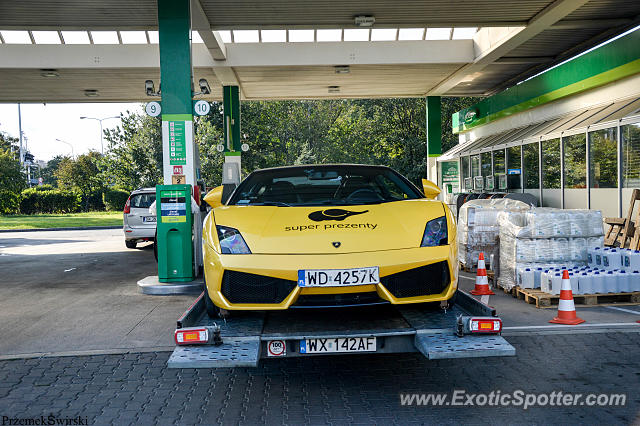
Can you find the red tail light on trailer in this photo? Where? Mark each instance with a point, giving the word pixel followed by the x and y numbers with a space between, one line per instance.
pixel 190 336
pixel 485 325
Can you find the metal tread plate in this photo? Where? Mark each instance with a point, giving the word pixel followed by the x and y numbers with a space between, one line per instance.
pixel 448 345
pixel 241 325
pixel 336 322
pixel 234 352
pixel 422 319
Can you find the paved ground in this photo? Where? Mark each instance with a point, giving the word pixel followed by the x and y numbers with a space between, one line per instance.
pixel 75 291
pixel 138 389
pixel 516 313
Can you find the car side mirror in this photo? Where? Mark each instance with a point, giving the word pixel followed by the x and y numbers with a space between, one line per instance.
pixel 430 189
pixel 214 197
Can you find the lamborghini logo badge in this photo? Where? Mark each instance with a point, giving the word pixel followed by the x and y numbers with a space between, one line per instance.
pixel 332 214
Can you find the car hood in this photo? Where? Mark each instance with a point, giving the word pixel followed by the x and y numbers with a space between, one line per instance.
pixel 332 229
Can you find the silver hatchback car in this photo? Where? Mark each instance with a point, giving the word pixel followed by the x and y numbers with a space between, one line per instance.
pixel 138 223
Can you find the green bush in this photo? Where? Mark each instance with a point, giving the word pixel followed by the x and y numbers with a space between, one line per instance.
pixel 9 202
pixel 45 187
pixel 115 199
pixel 92 202
pixel 49 201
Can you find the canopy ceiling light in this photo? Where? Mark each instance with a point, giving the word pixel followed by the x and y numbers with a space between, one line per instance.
pixel 364 21
pixel 49 73
pixel 334 89
pixel 342 69
pixel 91 93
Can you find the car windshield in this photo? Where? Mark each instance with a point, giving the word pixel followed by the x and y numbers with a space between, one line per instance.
pixel 142 201
pixel 323 186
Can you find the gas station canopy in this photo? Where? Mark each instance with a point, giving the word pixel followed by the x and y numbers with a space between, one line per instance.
pixel 104 50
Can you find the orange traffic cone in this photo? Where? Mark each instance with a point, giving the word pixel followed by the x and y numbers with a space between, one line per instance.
pixel 482 284
pixel 566 308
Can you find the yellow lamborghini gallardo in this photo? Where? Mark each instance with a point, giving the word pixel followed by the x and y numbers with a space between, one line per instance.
pixel 326 236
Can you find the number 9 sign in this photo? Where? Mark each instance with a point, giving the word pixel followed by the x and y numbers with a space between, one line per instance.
pixel 153 109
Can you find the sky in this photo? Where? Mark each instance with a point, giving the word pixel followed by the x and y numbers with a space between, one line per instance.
pixel 42 124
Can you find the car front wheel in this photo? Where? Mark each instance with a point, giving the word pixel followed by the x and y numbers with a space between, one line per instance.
pixel 212 310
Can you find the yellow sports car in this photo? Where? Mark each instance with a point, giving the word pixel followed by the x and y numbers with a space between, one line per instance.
pixel 325 236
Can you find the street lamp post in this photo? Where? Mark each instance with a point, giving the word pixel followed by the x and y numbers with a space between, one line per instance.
pixel 100 120
pixel 72 153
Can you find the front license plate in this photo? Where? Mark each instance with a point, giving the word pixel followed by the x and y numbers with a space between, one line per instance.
pixel 338 277
pixel 147 219
pixel 338 344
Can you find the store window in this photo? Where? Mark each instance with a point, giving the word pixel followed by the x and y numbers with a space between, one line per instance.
pixel 498 162
pixel 531 166
pixel 513 159
pixel 630 156
pixel 485 160
pixel 465 167
pixel 575 161
pixel 603 161
pixel 551 164
pixel 514 167
pixel 475 165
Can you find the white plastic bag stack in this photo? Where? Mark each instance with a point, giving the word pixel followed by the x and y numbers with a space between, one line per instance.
pixel 478 228
pixel 552 238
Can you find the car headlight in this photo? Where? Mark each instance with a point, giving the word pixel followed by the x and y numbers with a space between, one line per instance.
pixel 435 233
pixel 231 242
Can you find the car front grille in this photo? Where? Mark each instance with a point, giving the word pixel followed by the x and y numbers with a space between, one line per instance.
pixel 338 300
pixel 240 287
pixel 422 281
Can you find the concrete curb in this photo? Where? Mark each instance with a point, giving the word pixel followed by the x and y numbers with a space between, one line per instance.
pixel 82 228
pixel 115 351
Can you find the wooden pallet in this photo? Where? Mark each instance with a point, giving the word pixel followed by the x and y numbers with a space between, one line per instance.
pixel 546 300
pixel 490 273
pixel 467 269
pixel 622 232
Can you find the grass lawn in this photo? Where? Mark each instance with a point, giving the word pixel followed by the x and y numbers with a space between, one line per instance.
pixel 71 220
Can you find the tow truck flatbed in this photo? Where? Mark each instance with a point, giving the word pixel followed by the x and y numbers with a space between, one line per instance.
pixel 247 337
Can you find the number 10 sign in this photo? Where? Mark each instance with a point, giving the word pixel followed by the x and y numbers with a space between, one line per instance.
pixel 201 107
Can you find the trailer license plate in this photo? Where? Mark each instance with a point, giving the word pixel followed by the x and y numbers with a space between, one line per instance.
pixel 338 277
pixel 338 344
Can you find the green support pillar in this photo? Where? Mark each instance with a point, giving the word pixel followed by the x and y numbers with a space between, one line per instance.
pixel 174 34
pixel 174 218
pixel 231 123
pixel 434 126
pixel 232 169
pixel 434 135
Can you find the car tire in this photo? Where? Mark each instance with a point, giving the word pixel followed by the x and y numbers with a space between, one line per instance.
pixel 213 311
pixel 435 306
pixel 155 246
pixel 452 301
pixel 130 244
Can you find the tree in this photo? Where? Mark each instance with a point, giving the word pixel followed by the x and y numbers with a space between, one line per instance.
pixel 12 182
pixel 82 175
pixel 134 156
pixel 9 144
pixel 48 173
pixel 369 131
